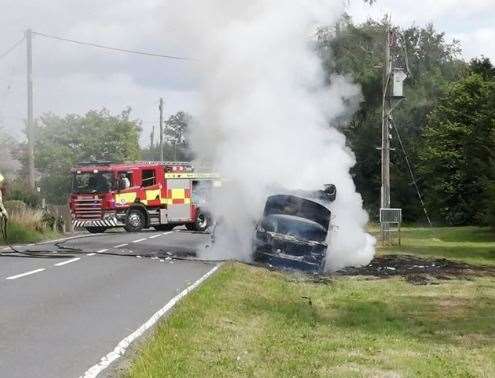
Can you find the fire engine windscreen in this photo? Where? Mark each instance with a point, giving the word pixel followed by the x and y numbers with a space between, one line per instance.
pixel 91 182
pixel 269 116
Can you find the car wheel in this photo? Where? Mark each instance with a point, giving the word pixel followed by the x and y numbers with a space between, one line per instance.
pixel 96 230
pixel 135 220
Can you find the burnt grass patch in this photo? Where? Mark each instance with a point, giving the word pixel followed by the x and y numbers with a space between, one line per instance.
pixel 417 270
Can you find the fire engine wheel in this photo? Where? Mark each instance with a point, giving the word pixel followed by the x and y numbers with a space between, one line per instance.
pixel 202 223
pixel 135 221
pixel 96 230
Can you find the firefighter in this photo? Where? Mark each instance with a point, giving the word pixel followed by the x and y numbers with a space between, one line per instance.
pixel 3 212
pixel 125 183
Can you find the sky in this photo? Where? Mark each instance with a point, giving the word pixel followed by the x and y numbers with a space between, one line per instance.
pixel 70 78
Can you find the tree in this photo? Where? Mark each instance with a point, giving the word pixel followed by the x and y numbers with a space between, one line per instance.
pixel 357 51
pixel 457 153
pixel 8 164
pixel 61 143
pixel 175 146
pixel 175 135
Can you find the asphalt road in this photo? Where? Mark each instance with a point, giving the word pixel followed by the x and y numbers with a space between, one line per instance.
pixel 60 316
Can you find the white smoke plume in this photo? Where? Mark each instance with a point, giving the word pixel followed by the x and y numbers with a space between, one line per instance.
pixel 267 115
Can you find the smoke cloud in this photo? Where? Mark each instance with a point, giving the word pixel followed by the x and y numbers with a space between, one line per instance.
pixel 268 115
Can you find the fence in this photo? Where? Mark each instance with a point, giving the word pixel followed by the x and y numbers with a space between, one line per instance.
pixel 390 221
pixel 61 212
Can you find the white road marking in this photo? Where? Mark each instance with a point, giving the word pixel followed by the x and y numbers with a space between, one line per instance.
pixel 90 254
pixel 25 274
pixel 121 348
pixel 166 233
pixel 154 236
pixel 139 240
pixel 103 250
pixel 121 245
pixel 67 262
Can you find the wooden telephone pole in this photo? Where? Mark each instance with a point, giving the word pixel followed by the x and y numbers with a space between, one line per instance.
pixel 161 129
pixel 30 120
pixel 387 75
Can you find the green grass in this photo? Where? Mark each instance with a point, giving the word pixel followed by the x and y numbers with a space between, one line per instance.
pixel 20 234
pixel 250 322
pixel 247 321
pixel 473 245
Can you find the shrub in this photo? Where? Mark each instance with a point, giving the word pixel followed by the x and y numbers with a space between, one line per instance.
pixel 29 219
pixel 19 191
pixel 15 206
pixel 27 225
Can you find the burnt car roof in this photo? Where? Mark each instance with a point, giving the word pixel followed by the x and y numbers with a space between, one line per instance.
pixel 297 206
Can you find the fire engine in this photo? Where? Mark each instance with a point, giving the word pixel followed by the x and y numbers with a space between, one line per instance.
pixel 139 195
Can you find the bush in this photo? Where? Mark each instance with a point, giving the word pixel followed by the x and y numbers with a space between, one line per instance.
pixel 28 225
pixel 29 219
pixel 19 234
pixel 15 206
pixel 19 191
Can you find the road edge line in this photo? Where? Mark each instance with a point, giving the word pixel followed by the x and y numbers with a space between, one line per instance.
pixel 122 346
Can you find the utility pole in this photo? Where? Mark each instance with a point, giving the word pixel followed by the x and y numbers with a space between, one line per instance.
pixel 161 129
pixel 385 149
pixel 30 120
pixel 385 192
pixel 152 139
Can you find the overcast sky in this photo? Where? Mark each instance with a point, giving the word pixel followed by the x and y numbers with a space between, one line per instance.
pixel 73 79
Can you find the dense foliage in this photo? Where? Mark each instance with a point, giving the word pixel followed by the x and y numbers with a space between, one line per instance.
pixel 61 143
pixel 175 145
pixel 358 51
pixel 458 150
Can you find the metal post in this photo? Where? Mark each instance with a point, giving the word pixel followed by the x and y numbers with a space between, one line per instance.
pixel 161 129
pixel 30 121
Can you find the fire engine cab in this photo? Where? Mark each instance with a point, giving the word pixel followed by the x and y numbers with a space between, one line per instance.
pixel 138 196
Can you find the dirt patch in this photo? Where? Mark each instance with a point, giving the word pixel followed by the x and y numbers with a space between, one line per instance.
pixel 417 270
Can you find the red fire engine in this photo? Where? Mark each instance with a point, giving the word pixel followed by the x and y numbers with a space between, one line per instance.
pixel 138 196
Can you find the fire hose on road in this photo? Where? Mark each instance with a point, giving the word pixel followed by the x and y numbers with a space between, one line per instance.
pixel 62 251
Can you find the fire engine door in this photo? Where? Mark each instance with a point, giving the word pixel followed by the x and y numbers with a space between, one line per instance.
pixel 179 207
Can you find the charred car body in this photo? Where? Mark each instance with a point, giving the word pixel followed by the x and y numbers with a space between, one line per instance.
pixel 293 231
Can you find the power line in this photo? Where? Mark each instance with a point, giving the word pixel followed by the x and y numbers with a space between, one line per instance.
pixel 411 172
pixel 12 48
pixel 96 45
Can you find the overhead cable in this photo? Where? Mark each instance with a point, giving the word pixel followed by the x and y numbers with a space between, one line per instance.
pixel 96 45
pixel 12 48
pixel 411 172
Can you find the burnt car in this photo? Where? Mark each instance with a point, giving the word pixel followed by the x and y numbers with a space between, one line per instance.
pixel 293 231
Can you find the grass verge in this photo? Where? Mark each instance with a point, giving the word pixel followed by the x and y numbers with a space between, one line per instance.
pixel 250 322
pixel 27 225
pixel 18 233
pixel 247 321
pixel 473 245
